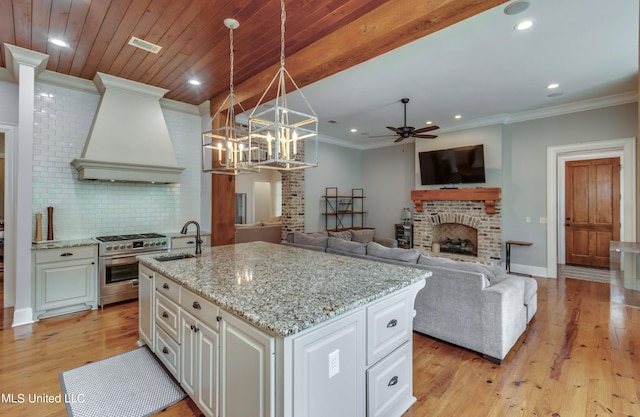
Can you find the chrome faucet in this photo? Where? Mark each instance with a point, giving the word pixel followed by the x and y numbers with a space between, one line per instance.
pixel 198 239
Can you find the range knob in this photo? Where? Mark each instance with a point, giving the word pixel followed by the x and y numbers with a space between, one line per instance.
pixel 108 247
pixel 121 246
pixel 146 244
pixel 128 246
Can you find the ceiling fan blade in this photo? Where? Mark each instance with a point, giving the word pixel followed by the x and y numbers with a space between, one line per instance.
pixel 424 136
pixel 382 136
pixel 398 130
pixel 400 139
pixel 426 129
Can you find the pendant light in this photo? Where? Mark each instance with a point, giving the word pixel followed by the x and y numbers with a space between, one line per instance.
pixel 227 149
pixel 285 138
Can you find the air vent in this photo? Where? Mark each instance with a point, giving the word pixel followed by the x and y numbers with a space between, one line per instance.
pixel 142 44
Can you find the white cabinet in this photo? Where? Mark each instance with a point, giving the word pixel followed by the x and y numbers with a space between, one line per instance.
pixel 354 365
pixel 66 280
pixel 146 300
pixel 188 242
pixel 329 369
pixel 200 344
pixel 247 373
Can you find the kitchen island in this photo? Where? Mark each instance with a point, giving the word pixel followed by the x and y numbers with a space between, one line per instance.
pixel 263 329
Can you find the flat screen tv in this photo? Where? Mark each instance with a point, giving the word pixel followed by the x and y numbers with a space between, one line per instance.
pixel 464 165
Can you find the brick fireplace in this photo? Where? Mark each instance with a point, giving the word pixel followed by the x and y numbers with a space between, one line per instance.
pixel 468 222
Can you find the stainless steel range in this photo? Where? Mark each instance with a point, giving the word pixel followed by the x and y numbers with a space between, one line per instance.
pixel 118 264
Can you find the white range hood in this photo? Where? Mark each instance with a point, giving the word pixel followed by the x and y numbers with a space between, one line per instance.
pixel 129 139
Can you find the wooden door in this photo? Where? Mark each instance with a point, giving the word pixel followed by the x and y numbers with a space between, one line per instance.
pixel 592 210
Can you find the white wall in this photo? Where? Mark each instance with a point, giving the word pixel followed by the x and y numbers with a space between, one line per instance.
pixel 245 183
pixel 8 103
pixel 84 209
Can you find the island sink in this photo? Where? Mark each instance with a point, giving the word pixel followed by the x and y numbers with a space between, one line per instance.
pixel 174 257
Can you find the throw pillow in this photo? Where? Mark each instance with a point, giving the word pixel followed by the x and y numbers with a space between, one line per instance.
pixel 346 246
pixel 363 235
pixel 397 254
pixel 304 239
pixel 345 234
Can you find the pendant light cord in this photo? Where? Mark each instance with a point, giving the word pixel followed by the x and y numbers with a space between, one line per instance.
pixel 283 17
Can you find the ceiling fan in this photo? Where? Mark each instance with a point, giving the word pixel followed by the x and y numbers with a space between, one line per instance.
pixel 405 131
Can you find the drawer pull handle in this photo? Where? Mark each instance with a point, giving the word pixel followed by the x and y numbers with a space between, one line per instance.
pixel 393 381
pixel 196 305
pixel 165 350
pixel 165 314
pixel 192 327
pixel 66 254
pixel 191 242
pixel 195 329
pixel 392 323
pixel 218 318
pixel 165 286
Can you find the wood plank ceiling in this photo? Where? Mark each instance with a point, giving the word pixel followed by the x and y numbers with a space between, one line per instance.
pixel 195 43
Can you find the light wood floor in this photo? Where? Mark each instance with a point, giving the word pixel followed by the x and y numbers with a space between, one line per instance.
pixel 578 358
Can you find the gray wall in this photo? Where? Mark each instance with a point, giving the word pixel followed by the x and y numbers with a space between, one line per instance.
pixel 524 150
pixel 389 174
pixel 337 167
pixel 388 179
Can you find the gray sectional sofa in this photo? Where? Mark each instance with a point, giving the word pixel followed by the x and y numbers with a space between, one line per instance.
pixel 476 306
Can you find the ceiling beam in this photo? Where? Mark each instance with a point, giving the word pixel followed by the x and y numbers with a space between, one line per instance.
pixel 388 27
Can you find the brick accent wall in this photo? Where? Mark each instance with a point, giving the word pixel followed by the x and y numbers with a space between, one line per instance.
pixel 292 202
pixel 468 213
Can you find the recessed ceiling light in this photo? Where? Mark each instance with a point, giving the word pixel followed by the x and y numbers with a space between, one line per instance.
pixel 429 122
pixel 193 81
pixel 458 116
pixel 553 85
pixel 354 130
pixel 516 7
pixel 524 25
pixel 59 42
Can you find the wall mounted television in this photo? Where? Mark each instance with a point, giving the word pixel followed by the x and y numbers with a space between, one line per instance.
pixel 463 165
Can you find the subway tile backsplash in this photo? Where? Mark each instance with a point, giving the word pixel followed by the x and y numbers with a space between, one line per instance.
pixel 85 209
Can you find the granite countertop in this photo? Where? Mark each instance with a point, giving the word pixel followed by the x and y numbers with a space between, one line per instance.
pixel 282 289
pixel 59 244
pixel 190 233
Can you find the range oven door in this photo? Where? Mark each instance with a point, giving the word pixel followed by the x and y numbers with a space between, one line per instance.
pixel 119 277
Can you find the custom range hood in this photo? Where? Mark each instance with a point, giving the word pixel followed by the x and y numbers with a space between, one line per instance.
pixel 129 139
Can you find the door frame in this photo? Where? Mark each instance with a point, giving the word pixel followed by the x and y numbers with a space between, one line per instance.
pixel 625 149
pixel 10 219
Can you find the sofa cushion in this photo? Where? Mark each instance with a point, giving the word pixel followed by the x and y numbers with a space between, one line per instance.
pixel 309 240
pixel 397 254
pixel 323 233
pixel 491 272
pixel 363 235
pixel 346 246
pixel 344 235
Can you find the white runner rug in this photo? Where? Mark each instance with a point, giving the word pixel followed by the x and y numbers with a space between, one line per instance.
pixel 128 385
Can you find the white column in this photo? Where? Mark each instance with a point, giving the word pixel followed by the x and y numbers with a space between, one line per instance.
pixel 25 66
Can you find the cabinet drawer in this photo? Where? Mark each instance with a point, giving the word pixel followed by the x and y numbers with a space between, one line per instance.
pixel 390 385
pixel 388 326
pixel 168 288
pixel 200 308
pixel 168 351
pixel 168 316
pixel 187 242
pixel 65 254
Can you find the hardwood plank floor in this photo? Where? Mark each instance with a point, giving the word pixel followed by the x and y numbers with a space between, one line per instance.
pixel 578 358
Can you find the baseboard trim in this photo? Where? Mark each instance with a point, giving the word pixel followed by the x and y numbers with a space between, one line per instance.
pixel 536 271
pixel 22 316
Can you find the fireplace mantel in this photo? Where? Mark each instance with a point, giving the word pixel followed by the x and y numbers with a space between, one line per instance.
pixel 488 195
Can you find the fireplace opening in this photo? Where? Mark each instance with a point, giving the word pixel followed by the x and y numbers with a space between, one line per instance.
pixel 456 238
